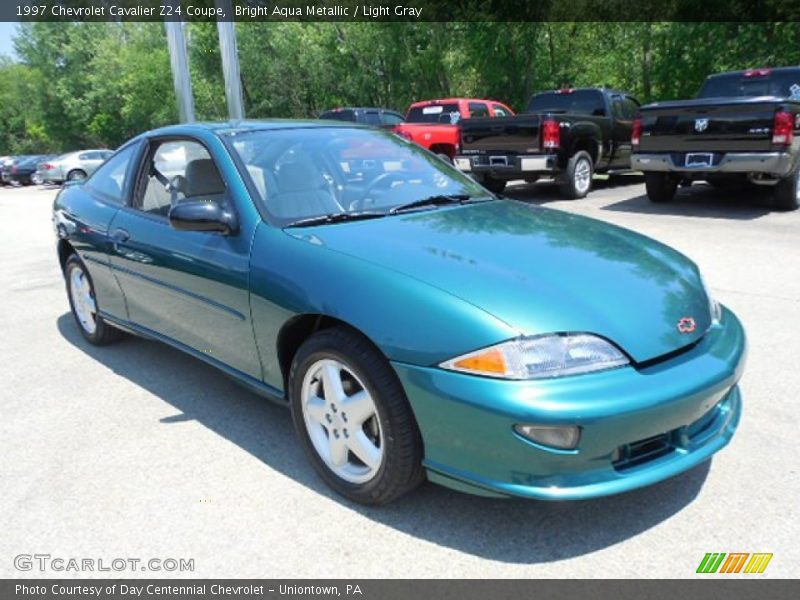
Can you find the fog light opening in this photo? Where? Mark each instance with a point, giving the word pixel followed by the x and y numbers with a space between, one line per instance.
pixel 557 437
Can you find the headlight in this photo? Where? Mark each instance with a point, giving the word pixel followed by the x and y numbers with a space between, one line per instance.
pixel 538 357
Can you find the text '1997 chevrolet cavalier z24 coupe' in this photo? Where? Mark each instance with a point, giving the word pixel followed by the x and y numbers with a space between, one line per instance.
pixel 416 325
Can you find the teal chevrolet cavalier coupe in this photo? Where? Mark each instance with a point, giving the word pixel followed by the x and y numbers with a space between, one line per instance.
pixel 417 325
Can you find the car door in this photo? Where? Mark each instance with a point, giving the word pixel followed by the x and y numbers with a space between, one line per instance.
pixel 188 287
pixel 623 112
pixel 90 161
pixel 83 214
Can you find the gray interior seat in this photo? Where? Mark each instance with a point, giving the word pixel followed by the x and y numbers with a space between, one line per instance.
pixel 301 191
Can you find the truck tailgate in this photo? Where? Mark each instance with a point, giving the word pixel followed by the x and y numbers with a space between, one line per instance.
pixel 507 135
pixel 709 125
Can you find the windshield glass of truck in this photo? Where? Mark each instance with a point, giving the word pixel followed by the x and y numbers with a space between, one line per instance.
pixel 446 114
pixel 577 102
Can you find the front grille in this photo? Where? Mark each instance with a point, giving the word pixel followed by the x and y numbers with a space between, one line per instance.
pixel 641 451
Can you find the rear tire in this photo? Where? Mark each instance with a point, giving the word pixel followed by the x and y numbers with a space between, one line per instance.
pixel 496 186
pixel 786 195
pixel 661 187
pixel 577 179
pixel 83 303
pixel 336 429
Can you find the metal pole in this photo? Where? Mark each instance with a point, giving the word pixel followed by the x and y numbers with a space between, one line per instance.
pixel 180 70
pixel 230 62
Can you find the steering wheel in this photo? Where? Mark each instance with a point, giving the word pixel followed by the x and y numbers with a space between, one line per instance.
pixel 381 180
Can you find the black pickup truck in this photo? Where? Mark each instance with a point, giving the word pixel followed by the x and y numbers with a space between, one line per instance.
pixel 742 127
pixel 567 134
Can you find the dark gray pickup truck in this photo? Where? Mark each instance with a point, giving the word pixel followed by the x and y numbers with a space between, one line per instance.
pixel 743 127
pixel 567 134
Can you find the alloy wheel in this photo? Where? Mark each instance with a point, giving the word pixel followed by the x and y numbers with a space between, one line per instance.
pixel 583 176
pixel 83 303
pixel 342 421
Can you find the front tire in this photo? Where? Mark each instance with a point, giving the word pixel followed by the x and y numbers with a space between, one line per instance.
pixel 577 180
pixel 353 418
pixel 786 195
pixel 661 187
pixel 76 175
pixel 82 302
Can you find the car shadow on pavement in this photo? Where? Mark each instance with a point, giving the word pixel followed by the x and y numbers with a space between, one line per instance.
pixel 513 530
pixel 702 200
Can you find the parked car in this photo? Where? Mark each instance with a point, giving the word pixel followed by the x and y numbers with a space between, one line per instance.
pixel 742 127
pixel 9 165
pixel 434 124
pixel 376 117
pixel 414 323
pixel 568 134
pixel 73 165
pixel 23 171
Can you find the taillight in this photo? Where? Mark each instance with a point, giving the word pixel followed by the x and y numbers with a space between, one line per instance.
pixel 551 134
pixel 783 128
pixel 13 168
pixel 47 167
pixel 636 133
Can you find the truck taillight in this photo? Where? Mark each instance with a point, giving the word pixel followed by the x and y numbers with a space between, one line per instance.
pixel 783 128
pixel 757 72
pixel 551 134
pixel 636 132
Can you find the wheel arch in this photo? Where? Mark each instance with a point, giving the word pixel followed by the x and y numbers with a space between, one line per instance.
pixel 444 148
pixel 298 329
pixel 65 250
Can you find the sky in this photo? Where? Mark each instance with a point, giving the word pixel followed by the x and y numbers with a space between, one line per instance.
pixel 7 30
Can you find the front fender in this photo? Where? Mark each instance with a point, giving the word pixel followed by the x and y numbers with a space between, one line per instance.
pixel 408 320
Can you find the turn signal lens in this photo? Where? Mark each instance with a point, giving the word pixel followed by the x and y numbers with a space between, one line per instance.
pixel 488 361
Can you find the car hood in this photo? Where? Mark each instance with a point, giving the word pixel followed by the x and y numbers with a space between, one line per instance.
pixel 539 270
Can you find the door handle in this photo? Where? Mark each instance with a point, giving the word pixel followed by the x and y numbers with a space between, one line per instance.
pixel 119 236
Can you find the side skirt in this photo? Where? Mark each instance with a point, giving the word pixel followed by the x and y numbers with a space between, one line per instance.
pixel 251 383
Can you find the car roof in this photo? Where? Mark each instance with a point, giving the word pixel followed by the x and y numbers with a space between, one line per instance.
pixel 340 108
pixel 452 100
pixel 227 127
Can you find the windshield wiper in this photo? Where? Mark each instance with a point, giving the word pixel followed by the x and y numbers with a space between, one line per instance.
pixel 336 218
pixel 437 200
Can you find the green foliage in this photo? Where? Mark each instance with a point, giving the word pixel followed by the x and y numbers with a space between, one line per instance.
pixel 93 84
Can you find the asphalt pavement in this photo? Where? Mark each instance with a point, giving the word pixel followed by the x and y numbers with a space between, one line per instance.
pixel 138 451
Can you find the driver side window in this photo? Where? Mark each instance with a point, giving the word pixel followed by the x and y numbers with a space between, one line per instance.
pixel 177 170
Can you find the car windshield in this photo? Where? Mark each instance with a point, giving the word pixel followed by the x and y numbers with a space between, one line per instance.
pixel 446 114
pixel 302 173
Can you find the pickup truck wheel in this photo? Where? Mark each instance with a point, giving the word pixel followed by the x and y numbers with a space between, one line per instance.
pixel 786 195
pixel 660 187
pixel 578 176
pixel 495 186
pixel 353 418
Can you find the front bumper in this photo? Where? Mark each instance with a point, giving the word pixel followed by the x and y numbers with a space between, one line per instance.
pixel 507 166
pixel 690 403
pixel 773 163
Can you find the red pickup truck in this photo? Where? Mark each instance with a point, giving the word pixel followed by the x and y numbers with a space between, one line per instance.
pixel 433 124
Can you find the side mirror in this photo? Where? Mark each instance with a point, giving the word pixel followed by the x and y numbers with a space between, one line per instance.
pixel 202 215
